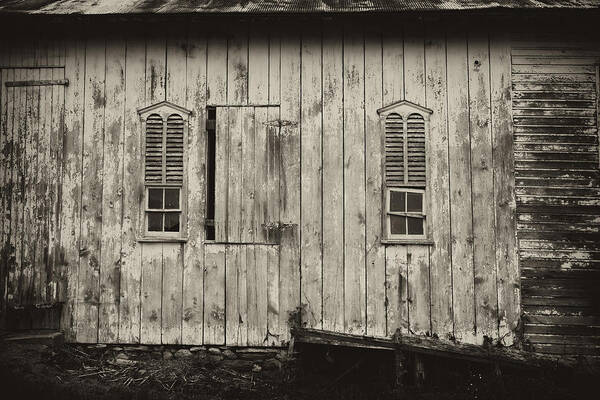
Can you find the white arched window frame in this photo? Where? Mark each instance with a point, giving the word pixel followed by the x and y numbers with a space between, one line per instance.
pixel 165 129
pixel 405 160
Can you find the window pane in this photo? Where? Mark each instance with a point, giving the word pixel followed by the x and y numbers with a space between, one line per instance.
pixel 172 222
pixel 414 202
pixel 397 225
pixel 171 199
pixel 397 201
pixel 155 222
pixel 155 198
pixel 415 226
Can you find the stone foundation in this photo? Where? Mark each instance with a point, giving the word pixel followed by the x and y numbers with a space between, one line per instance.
pixel 270 361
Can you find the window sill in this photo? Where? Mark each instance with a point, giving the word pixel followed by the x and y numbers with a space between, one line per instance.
pixel 162 240
pixel 424 242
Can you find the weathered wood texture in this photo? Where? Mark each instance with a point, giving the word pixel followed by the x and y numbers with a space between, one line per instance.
pixel 298 184
pixel 555 106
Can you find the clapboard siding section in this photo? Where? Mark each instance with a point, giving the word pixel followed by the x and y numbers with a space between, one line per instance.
pixel 299 180
pixel 558 193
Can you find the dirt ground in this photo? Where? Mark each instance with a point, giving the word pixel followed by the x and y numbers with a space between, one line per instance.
pixel 68 372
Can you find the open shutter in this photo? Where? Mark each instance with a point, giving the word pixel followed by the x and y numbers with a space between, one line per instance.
pixel 154 149
pixel 416 150
pixel 174 149
pixel 394 150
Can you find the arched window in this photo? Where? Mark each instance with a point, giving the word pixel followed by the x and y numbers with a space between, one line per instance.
pixel 165 129
pixel 405 170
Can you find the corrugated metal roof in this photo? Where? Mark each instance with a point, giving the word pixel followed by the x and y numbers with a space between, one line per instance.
pixel 274 6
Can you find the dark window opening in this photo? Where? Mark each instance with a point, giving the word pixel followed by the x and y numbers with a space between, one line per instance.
pixel 210 169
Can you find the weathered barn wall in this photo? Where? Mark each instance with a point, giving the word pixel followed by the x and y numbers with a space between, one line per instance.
pixel 330 264
pixel 555 106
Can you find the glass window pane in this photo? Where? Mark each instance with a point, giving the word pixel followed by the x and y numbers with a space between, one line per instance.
pixel 397 201
pixel 397 225
pixel 172 222
pixel 414 202
pixel 415 226
pixel 155 222
pixel 171 199
pixel 155 198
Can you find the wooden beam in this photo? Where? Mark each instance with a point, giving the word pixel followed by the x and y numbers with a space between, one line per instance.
pixel 38 83
pixel 433 346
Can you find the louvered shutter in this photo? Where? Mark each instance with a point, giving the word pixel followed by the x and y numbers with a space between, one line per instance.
pixel 416 150
pixel 154 149
pixel 394 150
pixel 174 150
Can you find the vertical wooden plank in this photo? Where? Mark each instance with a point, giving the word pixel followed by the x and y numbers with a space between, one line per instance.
pixel 354 184
pixel 396 271
pixel 273 152
pixel 438 183
pixel 55 272
pixel 274 66
pixel 237 66
pixel 17 222
pixel 272 216
pixel 172 295
pixel 484 258
pixel 393 65
pixel 289 255
pixel 91 195
pixel 221 174
pixel 258 65
pixel 44 193
pixel 311 190
pixel 151 290
pixel 131 258
pixel 333 180
pixel 216 70
pixel 176 68
pixel 417 255
pixel 236 333
pixel 112 197
pixel 273 336
pixel 257 269
pixel 193 272
pixel 234 182
pixel 375 251
pixel 509 308
pixel 214 294
pixel 28 267
pixel 461 212
pixel 156 60
pixel 247 172
pixel 70 191
pixel 6 98
pixel 261 174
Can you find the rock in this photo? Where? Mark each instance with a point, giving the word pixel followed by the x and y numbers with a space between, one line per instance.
pixel 167 355
pixel 229 354
pixel 122 361
pixel 157 355
pixel 256 368
pixel 183 353
pixel 272 364
pixel 117 349
pixel 238 365
pixel 214 350
pixel 197 349
pixel 122 356
pixel 138 348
